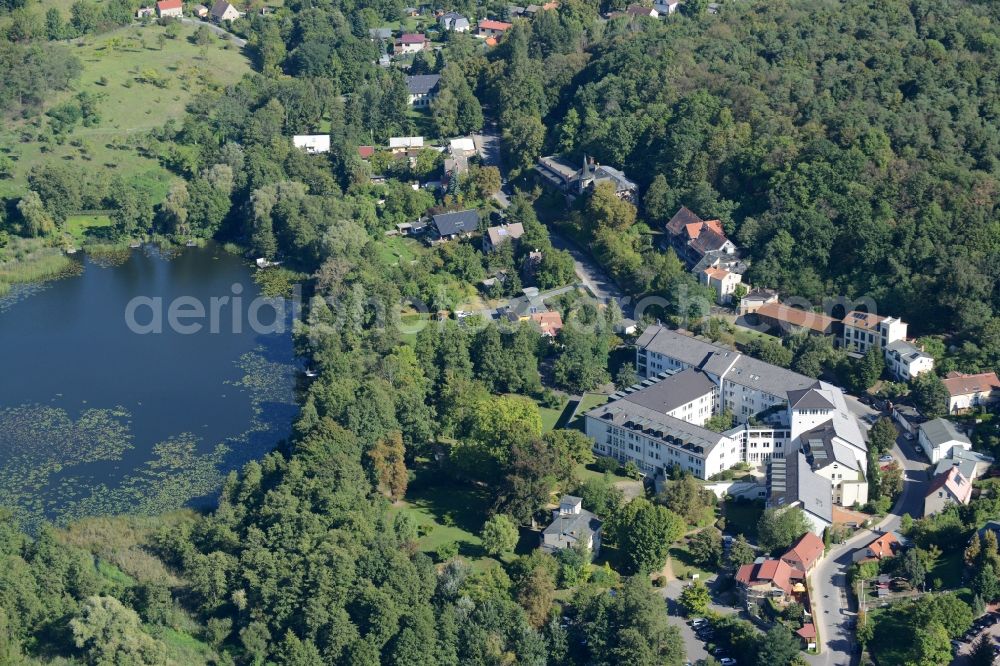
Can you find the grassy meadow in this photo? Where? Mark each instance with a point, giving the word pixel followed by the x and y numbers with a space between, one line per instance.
pixel 143 79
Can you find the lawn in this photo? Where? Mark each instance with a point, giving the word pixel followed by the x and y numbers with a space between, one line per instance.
pixel 683 566
pixel 444 513
pixel 395 250
pixel 113 64
pixel 742 517
pixel 948 569
pixel 83 228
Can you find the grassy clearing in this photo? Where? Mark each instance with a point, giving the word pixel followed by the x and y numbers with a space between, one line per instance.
pixel 948 569
pixel 447 513
pixel 183 648
pixel 114 66
pixel 589 401
pixel 395 250
pixel 87 228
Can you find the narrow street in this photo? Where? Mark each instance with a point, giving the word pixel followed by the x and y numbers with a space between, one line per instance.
pixel 829 580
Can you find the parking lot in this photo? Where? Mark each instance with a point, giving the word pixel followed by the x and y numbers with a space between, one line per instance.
pixel 988 625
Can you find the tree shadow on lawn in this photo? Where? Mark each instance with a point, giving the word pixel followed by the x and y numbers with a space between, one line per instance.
pixel 450 504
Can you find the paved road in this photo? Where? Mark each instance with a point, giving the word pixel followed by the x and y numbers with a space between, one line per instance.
pixel 829 580
pixel 590 274
pixel 239 41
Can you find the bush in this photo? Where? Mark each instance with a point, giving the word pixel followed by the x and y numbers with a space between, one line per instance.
pixel 632 470
pixel 446 551
pixel 606 464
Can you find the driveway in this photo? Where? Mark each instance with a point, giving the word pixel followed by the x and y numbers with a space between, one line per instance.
pixel 591 275
pixel 829 580
pixel 693 646
pixel 216 29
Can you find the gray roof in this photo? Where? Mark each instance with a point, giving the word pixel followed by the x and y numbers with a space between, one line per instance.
pixel 653 423
pixel 567 529
pixel 463 221
pixel 754 373
pixel 421 84
pixel 940 431
pixel 792 482
pixel 380 33
pixel 966 468
pixel 906 350
pixel 684 348
pixel 808 399
pixel 670 393
pixel 745 370
pixel 617 177
pixel 821 446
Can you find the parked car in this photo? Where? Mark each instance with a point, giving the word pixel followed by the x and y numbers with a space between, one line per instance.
pixel 727 661
pixel 885 458
pixel 697 622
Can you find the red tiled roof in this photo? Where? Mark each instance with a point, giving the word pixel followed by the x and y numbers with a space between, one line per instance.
pixel 807 631
pixel 783 313
pixel 364 152
pixel 863 320
pixel 805 552
pixel 491 41
pixel 412 38
pixel 883 546
pixel 717 273
pixel 169 4
pixel 489 24
pixel 550 322
pixel 959 384
pixel 773 571
pixel 681 219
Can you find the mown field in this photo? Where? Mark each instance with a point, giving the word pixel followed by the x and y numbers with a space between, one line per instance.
pixel 142 78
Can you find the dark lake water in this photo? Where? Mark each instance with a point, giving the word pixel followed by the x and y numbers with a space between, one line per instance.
pixel 98 418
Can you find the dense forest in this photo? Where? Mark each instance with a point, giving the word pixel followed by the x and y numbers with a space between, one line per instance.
pixel 849 148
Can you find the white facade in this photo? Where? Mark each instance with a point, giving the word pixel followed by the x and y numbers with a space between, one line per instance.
pixel 905 361
pixel 723 282
pixel 938 437
pixel 312 143
pixel 863 330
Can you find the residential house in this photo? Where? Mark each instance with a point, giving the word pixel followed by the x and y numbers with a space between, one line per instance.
pixel 563 176
pixel 755 299
pixel 572 525
pixel 971 464
pixel 639 10
pixel 938 437
pixel 550 323
pixel 143 12
pixel 967 392
pixel 863 330
pixel 366 152
pixel 402 144
pixel 804 553
pixel 453 225
pixel 907 417
pixel 490 28
pixel 692 238
pixel 380 34
pixel 414 228
pixel 626 327
pixel 454 22
pixel 312 143
pixel 496 236
pixel 201 11
pixel 223 11
pixel 722 281
pixel 791 321
pixel 766 579
pixel 422 89
pixel 882 547
pixel 410 43
pixel 668 7
pixel 170 9
pixel 905 360
pixel 946 489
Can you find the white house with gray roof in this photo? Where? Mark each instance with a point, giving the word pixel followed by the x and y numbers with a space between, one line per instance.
pixel 572 525
pixel 938 437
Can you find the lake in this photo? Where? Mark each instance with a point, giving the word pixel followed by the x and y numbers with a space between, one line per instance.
pixel 102 413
